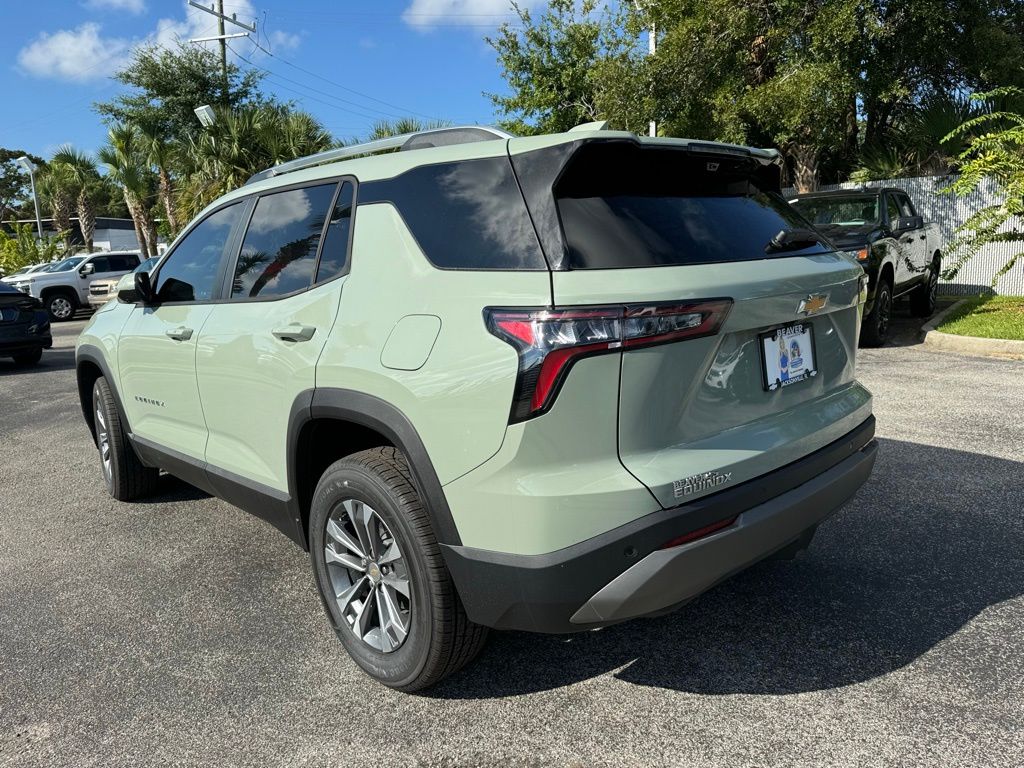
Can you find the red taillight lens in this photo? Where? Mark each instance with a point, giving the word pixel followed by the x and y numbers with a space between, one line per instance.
pixel 550 341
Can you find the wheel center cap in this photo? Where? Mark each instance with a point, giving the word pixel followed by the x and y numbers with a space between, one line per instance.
pixel 373 571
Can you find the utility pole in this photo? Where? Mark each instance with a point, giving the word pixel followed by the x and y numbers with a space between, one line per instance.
pixel 222 36
pixel 652 48
pixel 223 49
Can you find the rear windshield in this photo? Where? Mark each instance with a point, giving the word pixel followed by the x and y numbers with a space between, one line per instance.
pixel 625 206
pixel 839 211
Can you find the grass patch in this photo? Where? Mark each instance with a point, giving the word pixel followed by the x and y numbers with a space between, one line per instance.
pixel 991 317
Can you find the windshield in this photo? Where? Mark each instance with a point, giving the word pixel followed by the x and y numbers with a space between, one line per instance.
pixel 66 265
pixel 852 211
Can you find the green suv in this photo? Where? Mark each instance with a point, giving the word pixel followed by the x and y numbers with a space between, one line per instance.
pixel 547 383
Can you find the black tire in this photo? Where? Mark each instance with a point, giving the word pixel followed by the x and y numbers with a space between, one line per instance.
pixel 440 638
pixel 922 300
pixel 875 330
pixel 126 477
pixel 61 305
pixel 28 358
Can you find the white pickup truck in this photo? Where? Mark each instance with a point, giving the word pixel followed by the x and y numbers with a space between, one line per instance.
pixel 65 286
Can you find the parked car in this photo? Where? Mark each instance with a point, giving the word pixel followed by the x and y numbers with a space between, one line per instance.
pixel 64 288
pixel 24 327
pixel 103 290
pixel 471 377
pixel 25 271
pixel 901 253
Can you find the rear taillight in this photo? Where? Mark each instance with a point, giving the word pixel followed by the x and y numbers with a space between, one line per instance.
pixel 550 341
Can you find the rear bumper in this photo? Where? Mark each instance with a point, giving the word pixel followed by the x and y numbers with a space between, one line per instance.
pixel 27 343
pixel 624 574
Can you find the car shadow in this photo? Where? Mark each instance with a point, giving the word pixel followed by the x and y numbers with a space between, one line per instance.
pixel 933 539
pixel 170 488
pixel 52 360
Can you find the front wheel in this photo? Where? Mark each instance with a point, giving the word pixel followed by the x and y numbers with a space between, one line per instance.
pixel 126 477
pixel 61 307
pixel 381 575
pixel 922 300
pixel 876 324
pixel 29 358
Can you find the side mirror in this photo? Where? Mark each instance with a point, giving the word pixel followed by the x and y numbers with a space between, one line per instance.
pixel 87 269
pixel 134 288
pixel 903 223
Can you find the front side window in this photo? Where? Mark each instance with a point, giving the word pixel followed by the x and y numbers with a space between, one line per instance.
pixel 279 250
pixel 190 272
pixel 906 208
pixel 100 264
pixel 893 210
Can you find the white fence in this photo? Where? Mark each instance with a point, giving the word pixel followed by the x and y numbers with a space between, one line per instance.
pixel 950 211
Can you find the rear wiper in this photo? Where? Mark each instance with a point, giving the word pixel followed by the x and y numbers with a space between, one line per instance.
pixel 792 240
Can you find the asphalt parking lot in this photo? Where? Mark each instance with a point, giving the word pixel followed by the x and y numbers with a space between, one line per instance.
pixel 182 631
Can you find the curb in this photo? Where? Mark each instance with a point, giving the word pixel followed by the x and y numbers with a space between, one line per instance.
pixel 968 345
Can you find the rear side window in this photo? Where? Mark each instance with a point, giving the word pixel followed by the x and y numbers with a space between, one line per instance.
pixel 464 215
pixel 334 253
pixel 279 250
pixel 190 272
pixel 622 206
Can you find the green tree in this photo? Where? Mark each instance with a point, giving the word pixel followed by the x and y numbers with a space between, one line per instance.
pixel 169 83
pixel 125 159
pixel 995 153
pixel 549 66
pixel 161 154
pixel 22 248
pixel 81 171
pixel 15 189
pixel 56 188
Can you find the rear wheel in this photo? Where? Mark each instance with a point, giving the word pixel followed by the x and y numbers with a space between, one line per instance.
pixel 29 358
pixel 922 300
pixel 61 306
pixel 876 324
pixel 126 477
pixel 381 575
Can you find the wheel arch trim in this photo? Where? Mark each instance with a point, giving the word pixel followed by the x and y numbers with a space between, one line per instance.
pixel 87 353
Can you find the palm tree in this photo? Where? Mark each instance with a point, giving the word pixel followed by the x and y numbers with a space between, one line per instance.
pixel 160 154
pixel 56 187
pixel 126 163
pixel 81 169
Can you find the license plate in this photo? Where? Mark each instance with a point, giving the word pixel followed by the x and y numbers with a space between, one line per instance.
pixel 788 356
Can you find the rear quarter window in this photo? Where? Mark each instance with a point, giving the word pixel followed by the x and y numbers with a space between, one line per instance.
pixel 464 215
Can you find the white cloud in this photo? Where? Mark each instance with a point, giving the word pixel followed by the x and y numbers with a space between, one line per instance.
pixel 131 6
pixel 78 55
pixel 283 41
pixel 429 13
pixel 84 53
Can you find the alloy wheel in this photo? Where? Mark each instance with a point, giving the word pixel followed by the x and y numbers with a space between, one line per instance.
pixel 61 308
pixel 369 576
pixel 103 440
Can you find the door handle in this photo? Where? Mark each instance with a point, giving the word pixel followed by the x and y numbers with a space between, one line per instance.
pixel 180 333
pixel 295 332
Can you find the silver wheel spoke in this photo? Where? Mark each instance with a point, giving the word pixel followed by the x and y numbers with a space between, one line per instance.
pixel 335 557
pixel 346 597
pixel 393 626
pixel 391 554
pixel 397 584
pixel 362 622
pixel 341 536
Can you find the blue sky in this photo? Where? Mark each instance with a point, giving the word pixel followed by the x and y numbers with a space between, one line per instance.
pixel 421 57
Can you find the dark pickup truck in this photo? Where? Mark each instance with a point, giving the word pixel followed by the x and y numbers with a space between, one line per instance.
pixel 899 251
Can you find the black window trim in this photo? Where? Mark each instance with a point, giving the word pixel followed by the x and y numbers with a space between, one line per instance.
pixel 233 245
pixel 236 247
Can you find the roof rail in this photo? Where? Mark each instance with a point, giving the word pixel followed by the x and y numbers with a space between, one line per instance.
pixel 435 137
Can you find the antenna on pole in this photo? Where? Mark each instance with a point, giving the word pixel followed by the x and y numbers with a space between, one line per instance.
pixel 223 38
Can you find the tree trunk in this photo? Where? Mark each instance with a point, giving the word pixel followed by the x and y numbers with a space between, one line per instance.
pixel 60 210
pixel 805 167
pixel 86 219
pixel 140 232
pixel 167 195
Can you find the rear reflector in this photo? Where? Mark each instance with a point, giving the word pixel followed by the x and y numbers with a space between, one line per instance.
pixel 700 533
pixel 550 341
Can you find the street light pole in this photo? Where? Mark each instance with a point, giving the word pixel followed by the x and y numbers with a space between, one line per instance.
pixel 652 48
pixel 29 166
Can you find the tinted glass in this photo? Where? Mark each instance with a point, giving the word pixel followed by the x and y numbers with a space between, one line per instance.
pixel 67 265
pixel 148 264
pixel 465 215
pixel 854 211
pixel 101 264
pixel 190 272
pixel 622 206
pixel 334 254
pixel 906 208
pixel 893 210
pixel 279 250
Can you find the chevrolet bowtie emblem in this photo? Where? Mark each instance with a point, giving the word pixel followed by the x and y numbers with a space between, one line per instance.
pixel 813 303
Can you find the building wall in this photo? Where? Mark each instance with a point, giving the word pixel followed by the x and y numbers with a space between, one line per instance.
pixel 949 212
pixel 115 240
